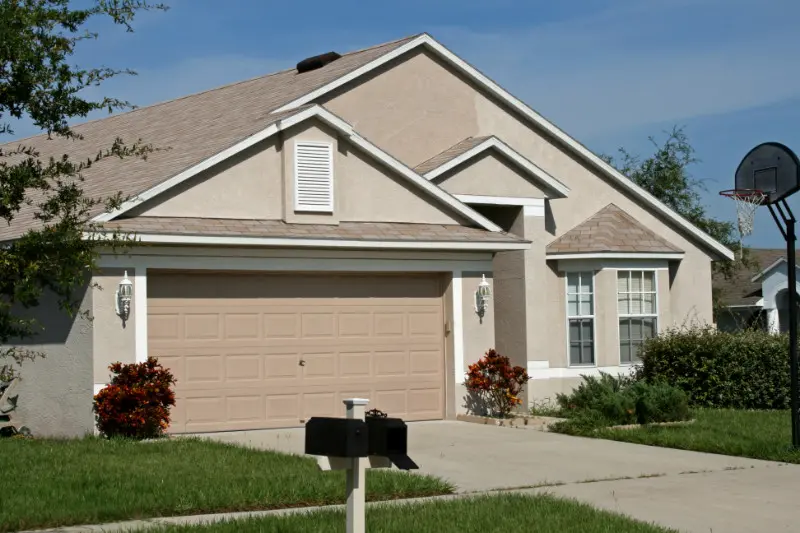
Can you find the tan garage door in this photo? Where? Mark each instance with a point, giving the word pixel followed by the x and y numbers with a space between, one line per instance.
pixel 269 351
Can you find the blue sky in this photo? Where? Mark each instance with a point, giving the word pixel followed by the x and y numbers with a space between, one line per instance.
pixel 609 72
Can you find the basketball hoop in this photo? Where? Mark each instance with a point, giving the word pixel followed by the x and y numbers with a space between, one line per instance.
pixel 747 201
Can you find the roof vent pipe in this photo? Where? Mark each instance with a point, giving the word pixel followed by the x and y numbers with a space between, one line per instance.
pixel 315 62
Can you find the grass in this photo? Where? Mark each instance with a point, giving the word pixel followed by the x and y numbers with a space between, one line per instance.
pixel 49 483
pixel 486 514
pixel 755 434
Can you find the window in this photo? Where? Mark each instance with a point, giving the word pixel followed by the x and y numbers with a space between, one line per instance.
pixel 638 311
pixel 580 317
pixel 313 176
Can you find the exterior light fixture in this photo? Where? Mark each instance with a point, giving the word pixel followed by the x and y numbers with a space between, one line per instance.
pixel 122 298
pixel 482 296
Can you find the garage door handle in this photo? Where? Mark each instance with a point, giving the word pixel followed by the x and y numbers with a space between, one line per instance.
pixel 302 362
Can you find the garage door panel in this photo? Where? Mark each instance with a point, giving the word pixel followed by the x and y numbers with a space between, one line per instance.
pixel 281 326
pixel 164 326
pixel 320 404
pixel 245 408
pixel 245 359
pixel 355 364
pixel 354 324
pixel 391 363
pixel 242 326
pixel 283 408
pixel 242 368
pixel 281 366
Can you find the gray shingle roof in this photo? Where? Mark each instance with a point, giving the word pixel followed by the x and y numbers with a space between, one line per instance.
pixel 739 289
pixel 188 129
pixel 610 230
pixel 379 231
pixel 449 154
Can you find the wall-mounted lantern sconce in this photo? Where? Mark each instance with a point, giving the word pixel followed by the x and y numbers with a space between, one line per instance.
pixel 482 296
pixel 122 298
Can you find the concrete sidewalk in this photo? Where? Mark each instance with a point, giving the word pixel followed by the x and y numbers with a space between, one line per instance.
pixel 754 500
pixel 689 491
pixel 479 458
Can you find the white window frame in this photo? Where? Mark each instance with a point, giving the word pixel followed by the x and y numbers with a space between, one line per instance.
pixel 315 208
pixel 620 316
pixel 592 317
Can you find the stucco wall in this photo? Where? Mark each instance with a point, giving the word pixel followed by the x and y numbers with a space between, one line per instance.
pixel 489 175
pixel 363 190
pixel 55 396
pixel 248 185
pixel 510 298
pixel 114 340
pixel 478 332
pixel 259 184
pixel 427 97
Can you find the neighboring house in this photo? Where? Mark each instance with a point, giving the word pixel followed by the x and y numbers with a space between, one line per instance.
pixel 756 296
pixel 317 235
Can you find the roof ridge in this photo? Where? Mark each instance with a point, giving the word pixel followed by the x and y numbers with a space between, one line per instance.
pixel 213 89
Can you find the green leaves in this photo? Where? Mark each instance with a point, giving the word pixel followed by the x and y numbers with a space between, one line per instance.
pixel 665 174
pixel 742 370
pixel 39 83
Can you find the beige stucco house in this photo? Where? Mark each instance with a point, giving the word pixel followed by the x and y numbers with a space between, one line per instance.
pixel 308 236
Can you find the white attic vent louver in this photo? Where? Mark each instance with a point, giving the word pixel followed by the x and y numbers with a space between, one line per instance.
pixel 313 176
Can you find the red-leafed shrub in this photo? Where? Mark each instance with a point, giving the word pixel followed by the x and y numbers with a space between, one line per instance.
pixel 137 401
pixel 496 383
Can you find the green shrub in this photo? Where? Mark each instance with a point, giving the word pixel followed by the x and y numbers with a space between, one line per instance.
pixel 604 395
pixel 740 370
pixel 610 400
pixel 659 402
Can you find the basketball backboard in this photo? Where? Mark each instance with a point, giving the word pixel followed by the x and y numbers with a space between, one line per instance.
pixel 771 168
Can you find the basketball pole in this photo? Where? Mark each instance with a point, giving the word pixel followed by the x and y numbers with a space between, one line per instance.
pixel 789 234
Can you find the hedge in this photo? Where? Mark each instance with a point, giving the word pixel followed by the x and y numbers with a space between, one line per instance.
pixel 742 370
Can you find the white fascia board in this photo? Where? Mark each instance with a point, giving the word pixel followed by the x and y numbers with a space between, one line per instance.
pixel 539 174
pixel 493 88
pixel 770 268
pixel 617 255
pixel 208 240
pixel 219 259
pixel 500 200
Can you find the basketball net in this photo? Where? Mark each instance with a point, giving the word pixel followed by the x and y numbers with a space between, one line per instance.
pixel 747 201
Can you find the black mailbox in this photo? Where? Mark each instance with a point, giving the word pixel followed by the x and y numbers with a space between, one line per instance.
pixel 336 437
pixel 388 437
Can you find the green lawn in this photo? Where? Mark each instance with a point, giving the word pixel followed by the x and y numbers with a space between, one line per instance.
pixel 48 483
pixel 756 434
pixel 486 514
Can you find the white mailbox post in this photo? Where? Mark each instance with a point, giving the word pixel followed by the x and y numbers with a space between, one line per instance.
pixel 355 468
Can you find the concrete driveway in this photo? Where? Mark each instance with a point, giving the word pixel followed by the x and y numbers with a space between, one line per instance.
pixel 686 490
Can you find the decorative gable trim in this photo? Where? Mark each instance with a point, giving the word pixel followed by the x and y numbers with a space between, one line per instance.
pixel 319 112
pixel 313 176
pixel 720 250
pixel 558 189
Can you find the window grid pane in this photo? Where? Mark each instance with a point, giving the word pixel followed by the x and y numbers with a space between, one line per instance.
pixel 637 305
pixel 580 315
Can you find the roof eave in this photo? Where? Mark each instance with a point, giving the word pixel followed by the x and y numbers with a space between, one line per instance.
pixel 289 242
pixel 669 256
